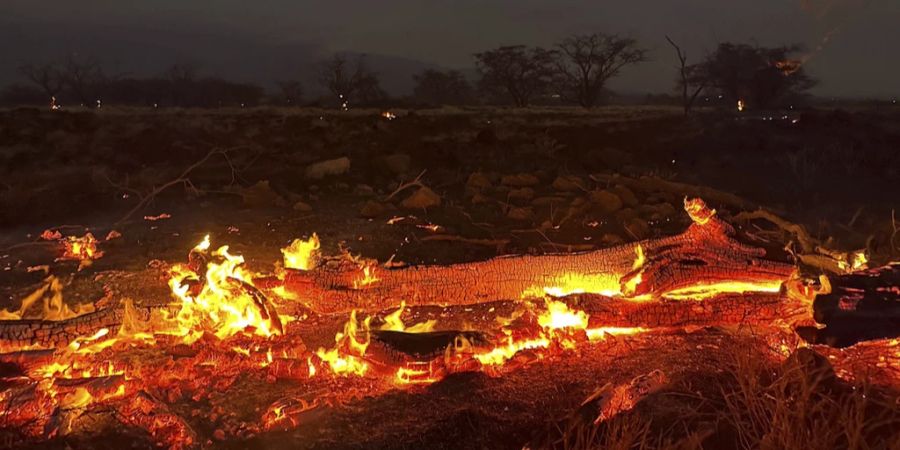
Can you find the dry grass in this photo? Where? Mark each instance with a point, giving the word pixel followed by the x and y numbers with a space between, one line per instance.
pixel 750 405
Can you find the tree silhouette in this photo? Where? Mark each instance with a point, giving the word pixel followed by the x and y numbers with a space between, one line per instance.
pixel 516 72
pixel 691 84
pixel 48 77
pixel 586 62
pixel 291 92
pixel 758 76
pixel 83 77
pixel 442 88
pixel 349 82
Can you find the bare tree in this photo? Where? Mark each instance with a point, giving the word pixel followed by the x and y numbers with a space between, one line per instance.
pixel 586 62
pixel 181 79
pixel 291 92
pixel 83 76
pixel 442 88
pixel 349 82
pixel 696 81
pixel 515 71
pixel 758 77
pixel 47 76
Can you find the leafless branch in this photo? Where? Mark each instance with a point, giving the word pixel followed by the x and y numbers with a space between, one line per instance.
pixel 417 181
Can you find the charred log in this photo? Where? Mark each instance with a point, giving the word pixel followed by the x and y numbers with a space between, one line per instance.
pixel 705 253
pixel 861 306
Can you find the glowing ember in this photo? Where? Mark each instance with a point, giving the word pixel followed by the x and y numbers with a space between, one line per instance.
pixel 703 291
pixel 576 283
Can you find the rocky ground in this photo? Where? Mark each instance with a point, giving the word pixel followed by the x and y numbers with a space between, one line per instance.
pixel 441 186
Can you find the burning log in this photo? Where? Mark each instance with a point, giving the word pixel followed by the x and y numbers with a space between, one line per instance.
pixel 702 261
pixel 721 310
pixel 58 333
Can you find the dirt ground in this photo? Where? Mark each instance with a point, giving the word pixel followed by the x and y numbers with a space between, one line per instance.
pixel 503 182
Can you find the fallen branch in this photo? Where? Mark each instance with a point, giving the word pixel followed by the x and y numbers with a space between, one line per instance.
pixel 417 181
pixel 807 242
pixel 182 179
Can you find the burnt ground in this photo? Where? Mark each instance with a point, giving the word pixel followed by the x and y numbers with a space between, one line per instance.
pixel 835 172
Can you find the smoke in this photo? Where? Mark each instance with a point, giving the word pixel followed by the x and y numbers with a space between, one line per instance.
pixel 830 17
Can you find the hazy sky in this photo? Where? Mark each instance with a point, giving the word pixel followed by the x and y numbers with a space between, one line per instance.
pixel 266 40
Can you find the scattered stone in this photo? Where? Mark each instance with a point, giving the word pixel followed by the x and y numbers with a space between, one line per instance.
pixel 373 209
pixel 319 170
pixel 657 211
pixel 627 195
pixel 611 239
pixel 546 201
pixel 606 201
pixel 521 195
pixel 578 201
pixel 364 190
pixel 424 197
pixel 261 195
pixel 477 182
pixel 520 213
pixel 520 180
pixel 479 199
pixel 302 207
pixel 398 163
pixel 568 183
pixel 637 227
pixel 625 214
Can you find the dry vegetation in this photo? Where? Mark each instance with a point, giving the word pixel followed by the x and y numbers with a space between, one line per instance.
pixel 469 184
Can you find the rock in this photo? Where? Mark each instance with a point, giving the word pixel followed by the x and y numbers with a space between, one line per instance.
pixel 520 213
pixel 627 195
pixel 319 170
pixel 568 183
pixel 261 195
pixel 606 201
pixel 520 180
pixel 637 227
pixel 546 201
pixel 398 163
pixel 364 190
pixel 477 182
pixel 373 209
pixel 657 211
pixel 424 197
pixel 479 199
pixel 521 195
pixel 302 207
pixel 625 214
pixel 610 239
pixel 578 201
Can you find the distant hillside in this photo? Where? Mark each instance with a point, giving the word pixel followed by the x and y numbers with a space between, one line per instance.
pixel 148 52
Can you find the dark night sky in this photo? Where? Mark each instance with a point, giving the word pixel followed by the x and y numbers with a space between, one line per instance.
pixel 266 40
